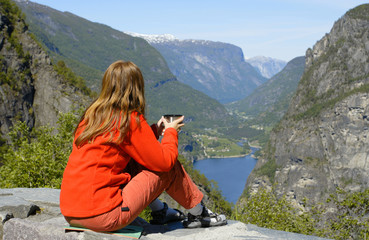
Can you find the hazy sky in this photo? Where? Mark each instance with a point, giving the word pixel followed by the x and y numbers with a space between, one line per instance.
pixel 281 29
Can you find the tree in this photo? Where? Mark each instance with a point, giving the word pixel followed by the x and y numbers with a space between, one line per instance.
pixel 37 157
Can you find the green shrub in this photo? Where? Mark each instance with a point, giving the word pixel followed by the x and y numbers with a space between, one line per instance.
pixel 267 210
pixel 10 10
pixel 350 220
pixel 268 169
pixel 70 77
pixel 37 157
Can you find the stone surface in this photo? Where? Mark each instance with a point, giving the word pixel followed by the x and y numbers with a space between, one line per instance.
pixel 48 223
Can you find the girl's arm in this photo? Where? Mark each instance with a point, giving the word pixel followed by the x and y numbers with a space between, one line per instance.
pixel 143 146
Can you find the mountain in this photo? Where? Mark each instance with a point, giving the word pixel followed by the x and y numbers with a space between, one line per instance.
pixel 31 89
pixel 269 102
pixel 89 48
pixel 322 142
pixel 267 66
pixel 214 68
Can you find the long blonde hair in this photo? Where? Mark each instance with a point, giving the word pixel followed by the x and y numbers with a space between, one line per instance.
pixel 121 94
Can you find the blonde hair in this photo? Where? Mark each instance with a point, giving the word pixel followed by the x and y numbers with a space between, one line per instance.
pixel 121 94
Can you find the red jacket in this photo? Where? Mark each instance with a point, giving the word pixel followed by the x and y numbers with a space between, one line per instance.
pixel 94 173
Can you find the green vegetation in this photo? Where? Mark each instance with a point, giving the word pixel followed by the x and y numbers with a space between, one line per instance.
pixel 316 109
pixel 217 146
pixel 268 169
pixel 351 220
pixel 241 131
pixel 71 78
pixel 266 209
pixel 14 78
pixel 10 10
pixel 37 158
pixel 11 77
pixel 313 103
pixel 270 166
pixel 95 46
pixel 360 12
pixel 265 107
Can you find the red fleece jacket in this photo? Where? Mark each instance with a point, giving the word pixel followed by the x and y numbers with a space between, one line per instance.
pixel 94 173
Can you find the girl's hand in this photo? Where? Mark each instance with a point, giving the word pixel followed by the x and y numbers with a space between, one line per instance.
pixel 160 126
pixel 176 124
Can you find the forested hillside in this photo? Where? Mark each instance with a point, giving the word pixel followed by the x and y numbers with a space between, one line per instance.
pixel 88 48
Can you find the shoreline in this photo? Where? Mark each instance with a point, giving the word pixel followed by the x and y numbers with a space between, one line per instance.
pixel 217 157
pixel 233 156
pixel 254 145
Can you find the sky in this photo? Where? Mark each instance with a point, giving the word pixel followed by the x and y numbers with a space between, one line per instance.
pixel 281 29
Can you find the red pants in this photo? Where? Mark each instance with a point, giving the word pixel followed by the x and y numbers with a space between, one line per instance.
pixel 144 188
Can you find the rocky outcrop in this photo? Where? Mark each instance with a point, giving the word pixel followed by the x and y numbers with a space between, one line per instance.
pixel 16 88
pixel 34 214
pixel 30 89
pixel 323 141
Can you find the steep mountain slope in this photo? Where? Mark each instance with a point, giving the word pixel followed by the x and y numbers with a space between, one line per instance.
pixel 214 68
pixel 269 102
pixel 88 48
pixel 30 88
pixel 322 142
pixel 267 66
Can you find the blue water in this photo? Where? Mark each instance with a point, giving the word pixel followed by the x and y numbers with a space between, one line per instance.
pixel 230 173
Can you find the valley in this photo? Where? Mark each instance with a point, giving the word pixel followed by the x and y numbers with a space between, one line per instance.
pixel 61 34
pixel 309 118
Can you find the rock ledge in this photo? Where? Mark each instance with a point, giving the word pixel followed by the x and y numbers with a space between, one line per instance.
pixel 33 213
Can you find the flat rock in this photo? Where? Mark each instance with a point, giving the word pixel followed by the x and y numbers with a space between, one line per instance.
pixel 48 223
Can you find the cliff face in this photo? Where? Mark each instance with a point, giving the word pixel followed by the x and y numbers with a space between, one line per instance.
pixel 323 141
pixel 30 89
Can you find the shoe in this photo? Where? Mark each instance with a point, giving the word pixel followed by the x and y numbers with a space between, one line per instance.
pixel 160 217
pixel 206 219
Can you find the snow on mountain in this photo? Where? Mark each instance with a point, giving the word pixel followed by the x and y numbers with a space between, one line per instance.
pixel 154 38
pixel 164 38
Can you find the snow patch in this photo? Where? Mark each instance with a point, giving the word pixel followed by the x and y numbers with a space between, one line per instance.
pixel 154 38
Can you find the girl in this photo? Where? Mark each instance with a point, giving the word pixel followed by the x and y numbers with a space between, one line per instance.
pixel 118 167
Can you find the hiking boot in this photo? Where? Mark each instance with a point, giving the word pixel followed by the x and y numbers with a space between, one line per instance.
pixel 206 219
pixel 160 217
